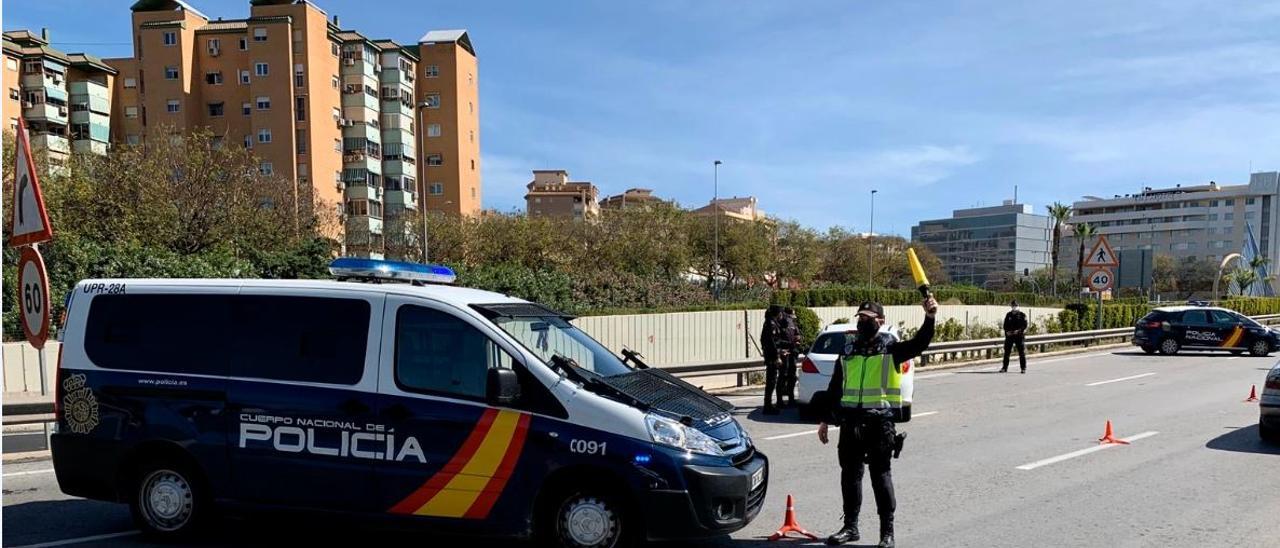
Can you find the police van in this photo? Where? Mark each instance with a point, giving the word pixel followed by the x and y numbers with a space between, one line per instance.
pixel 418 402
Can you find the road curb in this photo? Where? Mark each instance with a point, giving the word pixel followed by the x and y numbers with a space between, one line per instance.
pixel 28 456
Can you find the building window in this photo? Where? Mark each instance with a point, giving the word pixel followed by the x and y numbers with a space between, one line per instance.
pixel 1213 216
pixel 244 77
pixel 172 106
pixel 435 160
pixel 471 107
pixel 171 73
pixel 337 114
pixel 248 141
pixel 132 139
pixel 246 108
pixel 431 71
pixel 1249 201
pixel 264 136
pixel 301 139
pixel 130 112
pixel 435 189
pixel 1231 202
pixel 1250 214
pixel 336 82
pixel 264 103
pixel 260 34
pixel 1213 203
pixel 260 69
pixel 300 108
pixel 170 38
pixel 32 66
pixel 215 46
pixel 471 136
pixel 433 100
pixel 473 165
pixel 302 170
pixel 130 82
pixel 10 63
pixel 14 94
pixel 473 192
pixel 215 109
pixel 266 168
pixel 337 145
pixel 333 48
pixel 433 130
pixel 299 77
pixel 1228 216
pixel 244 43
pixel 214 78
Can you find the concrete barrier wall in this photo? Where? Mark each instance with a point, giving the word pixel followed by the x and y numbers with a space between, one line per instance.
pixel 678 338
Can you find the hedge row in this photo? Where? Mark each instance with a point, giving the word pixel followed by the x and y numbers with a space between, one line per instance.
pixel 851 296
pixel 1083 316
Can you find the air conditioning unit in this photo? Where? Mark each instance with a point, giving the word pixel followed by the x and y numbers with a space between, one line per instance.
pixel 349 62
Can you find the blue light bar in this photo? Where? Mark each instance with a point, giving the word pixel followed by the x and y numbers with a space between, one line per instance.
pixel 352 267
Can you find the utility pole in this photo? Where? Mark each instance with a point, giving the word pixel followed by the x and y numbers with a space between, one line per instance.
pixel 870 237
pixel 715 213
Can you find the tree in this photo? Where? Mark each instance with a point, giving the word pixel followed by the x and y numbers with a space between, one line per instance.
pixel 796 254
pixel 1195 276
pixel 1059 212
pixel 1164 274
pixel 1083 232
pixel 1243 278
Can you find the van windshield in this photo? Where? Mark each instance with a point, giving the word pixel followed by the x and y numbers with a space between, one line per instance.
pixel 548 336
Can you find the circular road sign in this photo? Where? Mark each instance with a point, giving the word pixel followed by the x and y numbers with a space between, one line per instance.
pixel 1101 279
pixel 33 297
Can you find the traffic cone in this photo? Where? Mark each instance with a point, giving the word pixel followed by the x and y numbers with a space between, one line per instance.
pixel 789 524
pixel 1253 394
pixel 1108 437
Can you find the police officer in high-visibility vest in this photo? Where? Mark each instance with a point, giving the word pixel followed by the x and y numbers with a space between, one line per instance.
pixel 863 397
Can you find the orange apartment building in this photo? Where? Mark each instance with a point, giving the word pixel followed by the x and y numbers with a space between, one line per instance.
pixel 330 109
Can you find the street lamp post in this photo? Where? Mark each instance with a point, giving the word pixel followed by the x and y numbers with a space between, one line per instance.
pixel 715 213
pixel 871 236
pixel 422 184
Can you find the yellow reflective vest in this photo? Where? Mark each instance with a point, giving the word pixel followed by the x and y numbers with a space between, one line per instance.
pixel 871 382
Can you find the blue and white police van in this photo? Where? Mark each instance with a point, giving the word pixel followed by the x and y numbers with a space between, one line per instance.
pixel 417 402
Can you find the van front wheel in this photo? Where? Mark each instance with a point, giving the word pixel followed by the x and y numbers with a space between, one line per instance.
pixel 589 519
pixel 167 501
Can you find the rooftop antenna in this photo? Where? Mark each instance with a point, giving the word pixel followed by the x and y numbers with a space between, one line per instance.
pixel 1015 194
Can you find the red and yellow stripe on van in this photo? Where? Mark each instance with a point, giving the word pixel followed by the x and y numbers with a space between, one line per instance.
pixel 470 483
pixel 1233 340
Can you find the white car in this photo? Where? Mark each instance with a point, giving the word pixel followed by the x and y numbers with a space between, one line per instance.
pixel 820 361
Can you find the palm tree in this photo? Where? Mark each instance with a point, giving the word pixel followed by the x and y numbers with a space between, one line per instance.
pixel 1243 278
pixel 1083 232
pixel 1257 264
pixel 1059 212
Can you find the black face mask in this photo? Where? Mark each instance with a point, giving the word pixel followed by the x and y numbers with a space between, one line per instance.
pixel 868 328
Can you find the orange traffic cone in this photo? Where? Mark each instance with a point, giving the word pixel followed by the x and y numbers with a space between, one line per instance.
pixel 1108 437
pixel 1253 394
pixel 789 524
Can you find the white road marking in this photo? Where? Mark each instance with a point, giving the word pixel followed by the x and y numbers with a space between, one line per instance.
pixel 79 540
pixel 29 472
pixel 1082 452
pixel 1233 357
pixel 831 428
pixel 736 398
pixel 932 375
pixel 1120 379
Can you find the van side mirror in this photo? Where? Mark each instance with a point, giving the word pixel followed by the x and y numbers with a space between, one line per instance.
pixel 502 387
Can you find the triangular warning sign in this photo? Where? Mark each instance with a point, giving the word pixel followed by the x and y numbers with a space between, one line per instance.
pixel 1102 254
pixel 30 220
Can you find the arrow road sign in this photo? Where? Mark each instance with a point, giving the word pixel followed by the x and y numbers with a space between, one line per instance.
pixel 33 297
pixel 1101 254
pixel 30 220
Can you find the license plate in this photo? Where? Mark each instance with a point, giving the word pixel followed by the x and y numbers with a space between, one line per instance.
pixel 757 478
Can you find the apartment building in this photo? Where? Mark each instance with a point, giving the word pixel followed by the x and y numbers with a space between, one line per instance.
pixel 65 98
pixel 631 198
pixel 328 108
pixel 1205 221
pixel 552 194
pixel 977 245
pixel 740 209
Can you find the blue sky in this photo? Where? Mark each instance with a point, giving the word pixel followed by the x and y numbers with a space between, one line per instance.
pixel 810 105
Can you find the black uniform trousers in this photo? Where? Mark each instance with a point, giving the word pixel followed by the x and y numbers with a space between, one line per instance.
pixel 1021 343
pixel 866 439
pixel 787 380
pixel 771 366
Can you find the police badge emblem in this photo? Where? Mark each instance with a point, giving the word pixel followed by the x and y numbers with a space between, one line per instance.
pixel 80 405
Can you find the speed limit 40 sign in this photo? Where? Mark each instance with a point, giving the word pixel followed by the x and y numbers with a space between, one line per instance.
pixel 33 297
pixel 1101 280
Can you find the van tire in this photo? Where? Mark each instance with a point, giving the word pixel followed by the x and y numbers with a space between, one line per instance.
pixel 1148 349
pixel 1169 346
pixel 168 500
pixel 1259 348
pixel 587 517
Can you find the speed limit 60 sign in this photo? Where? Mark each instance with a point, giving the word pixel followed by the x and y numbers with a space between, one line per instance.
pixel 33 297
pixel 1101 280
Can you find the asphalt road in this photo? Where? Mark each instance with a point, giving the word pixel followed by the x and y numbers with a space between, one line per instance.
pixel 991 460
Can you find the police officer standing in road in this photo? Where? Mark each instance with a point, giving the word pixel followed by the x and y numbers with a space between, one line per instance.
pixel 1015 331
pixel 769 334
pixel 863 397
pixel 789 346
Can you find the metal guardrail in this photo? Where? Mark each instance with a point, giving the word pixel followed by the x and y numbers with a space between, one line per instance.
pixel 937 352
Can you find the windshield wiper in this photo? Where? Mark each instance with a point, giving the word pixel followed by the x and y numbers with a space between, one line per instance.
pixel 593 381
pixel 634 357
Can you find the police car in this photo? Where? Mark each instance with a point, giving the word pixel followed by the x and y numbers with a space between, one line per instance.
pixel 820 361
pixel 1170 329
pixel 423 403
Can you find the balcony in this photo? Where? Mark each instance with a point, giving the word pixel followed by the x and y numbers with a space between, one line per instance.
pixel 45 111
pixel 88 146
pixel 51 142
pixel 399 200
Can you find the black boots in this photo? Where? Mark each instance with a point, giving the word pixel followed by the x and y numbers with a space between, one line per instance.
pixel 886 533
pixel 848 533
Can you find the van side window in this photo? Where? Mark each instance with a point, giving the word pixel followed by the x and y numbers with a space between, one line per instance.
pixel 161 333
pixel 307 339
pixel 439 353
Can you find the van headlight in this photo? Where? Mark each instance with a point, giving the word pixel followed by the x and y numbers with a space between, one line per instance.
pixel 673 434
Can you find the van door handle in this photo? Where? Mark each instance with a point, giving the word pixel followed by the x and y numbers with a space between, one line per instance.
pixel 354 407
pixel 397 412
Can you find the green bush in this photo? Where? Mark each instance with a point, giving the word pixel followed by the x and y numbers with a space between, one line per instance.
pixel 851 296
pixel 810 325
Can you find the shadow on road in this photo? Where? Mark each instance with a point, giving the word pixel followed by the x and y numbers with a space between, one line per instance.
pixel 787 415
pixel 1243 440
